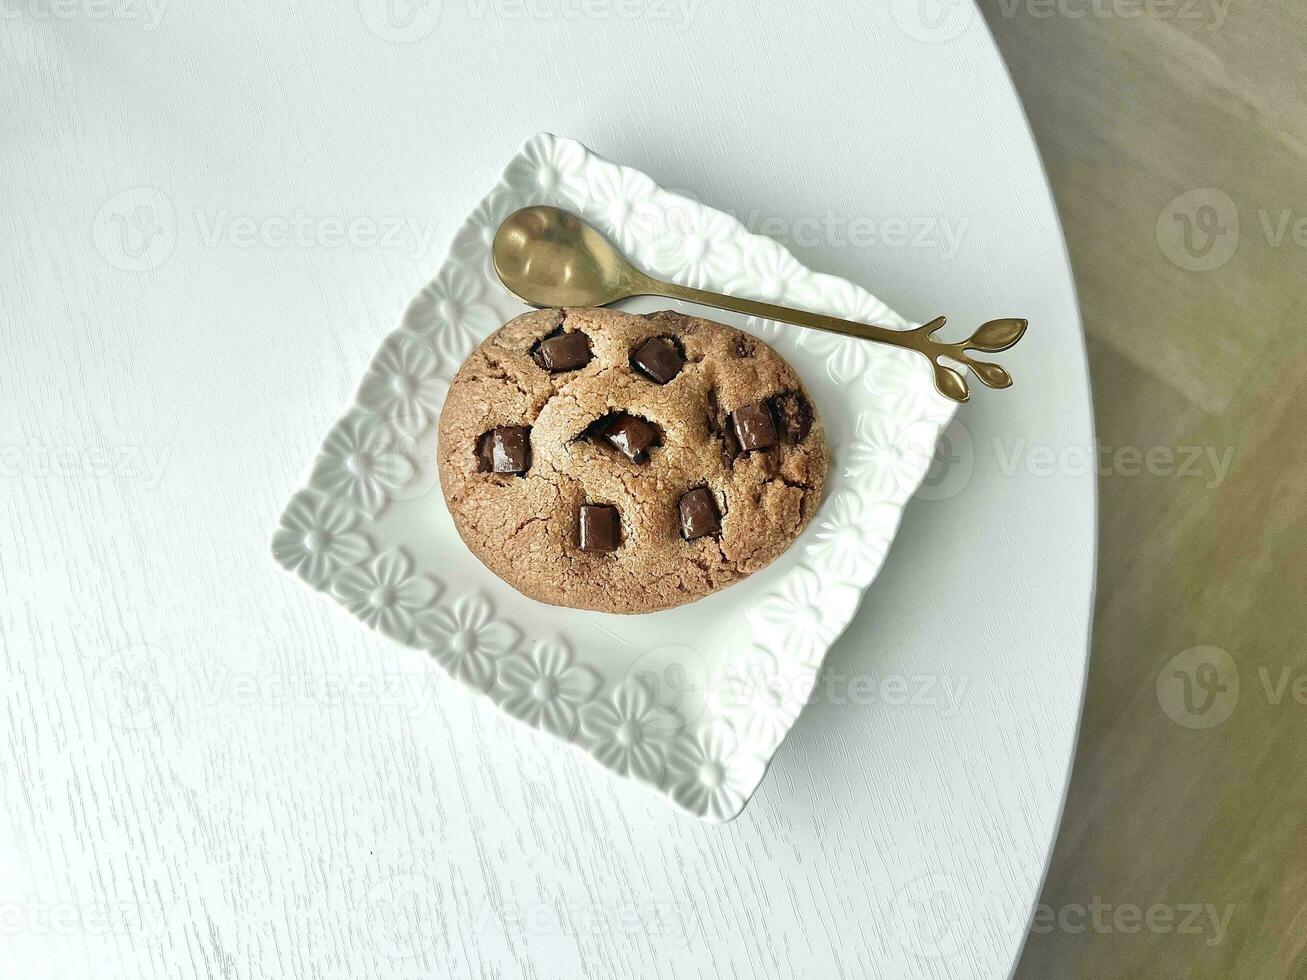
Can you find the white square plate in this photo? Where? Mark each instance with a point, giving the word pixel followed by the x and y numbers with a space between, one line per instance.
pixel 693 701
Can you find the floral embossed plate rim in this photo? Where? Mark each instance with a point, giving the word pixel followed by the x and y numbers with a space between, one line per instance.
pixel 699 714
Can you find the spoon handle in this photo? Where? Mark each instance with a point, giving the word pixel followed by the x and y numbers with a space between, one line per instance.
pixel 996 335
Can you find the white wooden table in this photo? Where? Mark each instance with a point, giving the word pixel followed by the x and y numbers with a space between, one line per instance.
pixel 210 213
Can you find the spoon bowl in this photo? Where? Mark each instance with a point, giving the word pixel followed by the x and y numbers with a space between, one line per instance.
pixel 550 257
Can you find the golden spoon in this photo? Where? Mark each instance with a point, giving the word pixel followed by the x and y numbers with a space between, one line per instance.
pixel 549 257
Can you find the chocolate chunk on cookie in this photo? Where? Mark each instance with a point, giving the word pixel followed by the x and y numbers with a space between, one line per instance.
pixel 505 449
pixel 659 358
pixel 754 427
pixel 564 352
pixel 681 457
pixel 632 437
pixel 600 528
pixel 699 514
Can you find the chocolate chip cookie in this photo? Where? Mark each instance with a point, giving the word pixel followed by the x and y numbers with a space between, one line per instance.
pixel 622 463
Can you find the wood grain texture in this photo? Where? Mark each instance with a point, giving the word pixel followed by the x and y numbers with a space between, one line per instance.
pixel 1129 114
pixel 210 772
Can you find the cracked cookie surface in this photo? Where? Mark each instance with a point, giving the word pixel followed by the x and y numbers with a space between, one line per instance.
pixel 525 527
